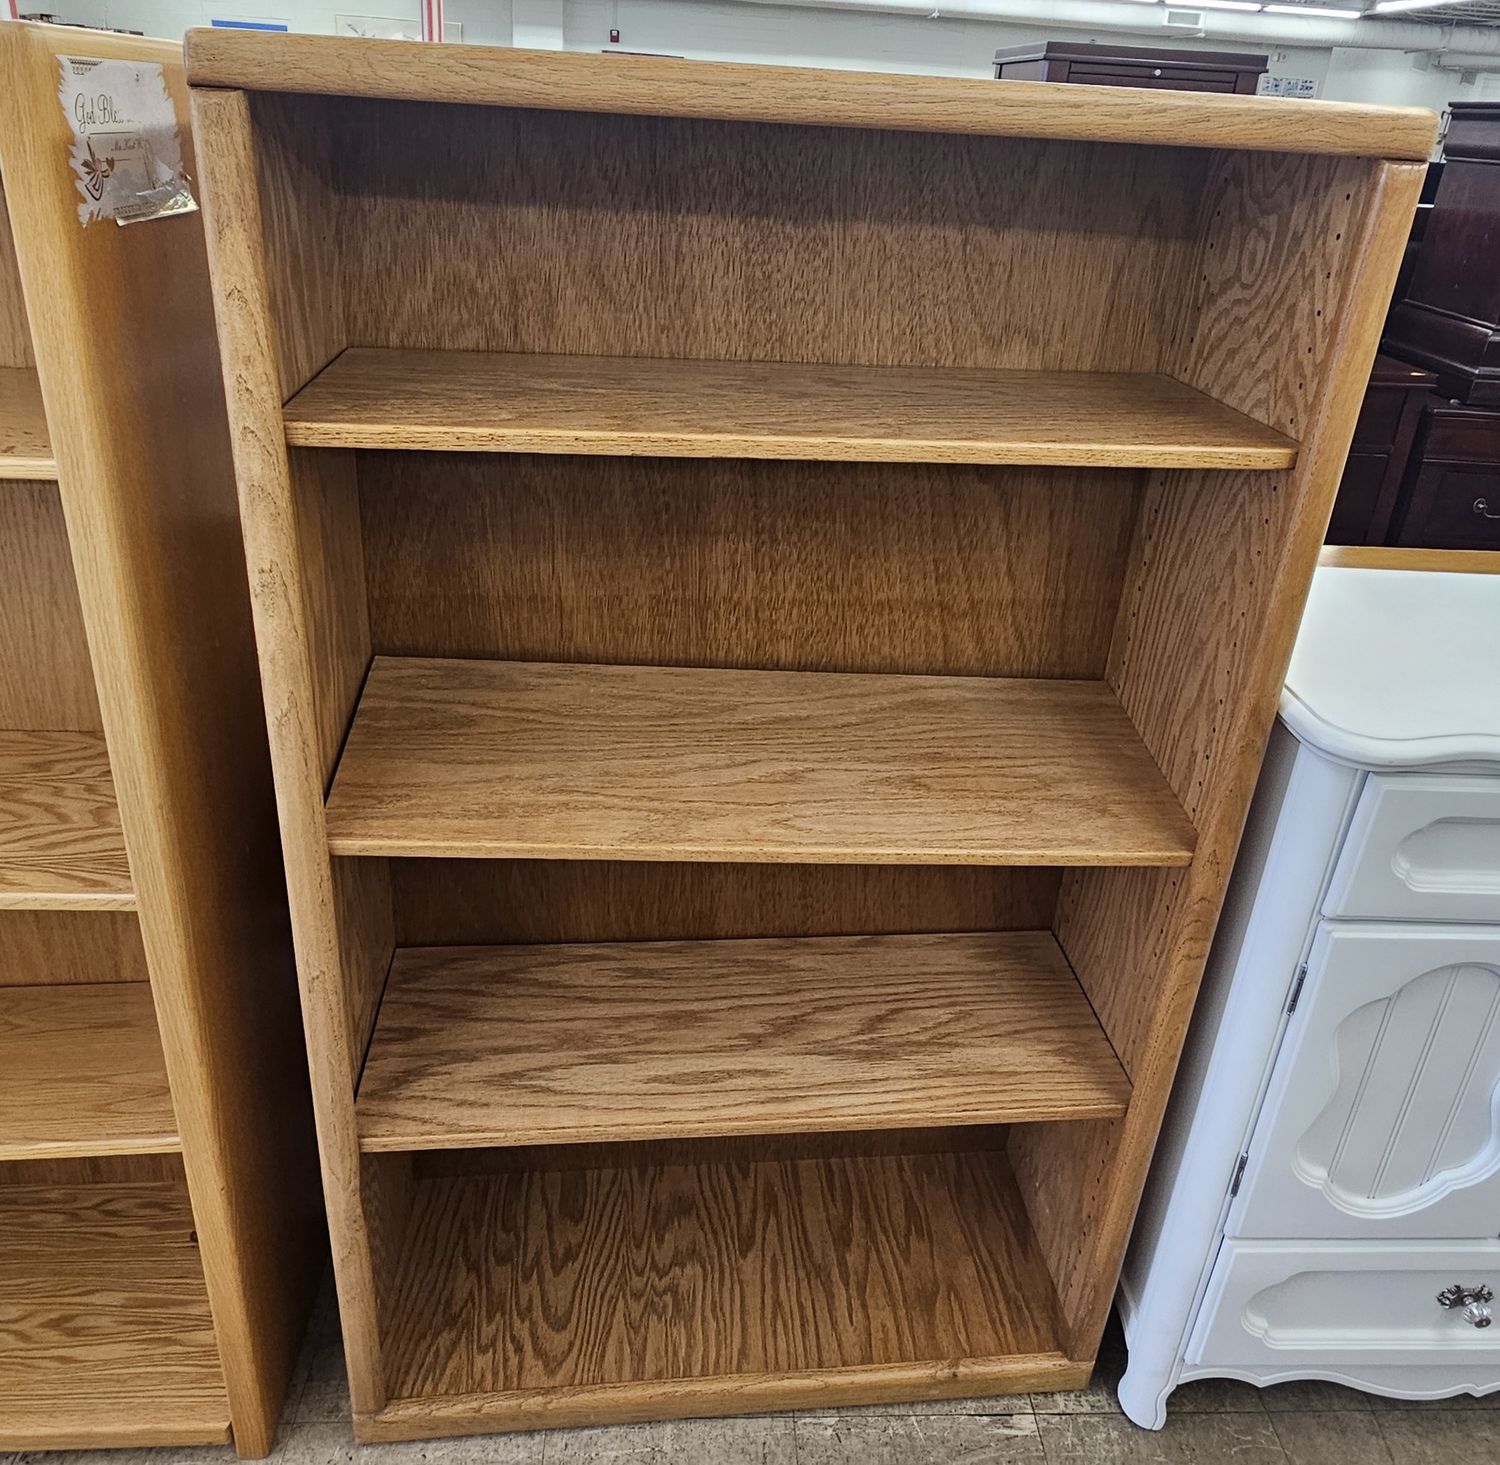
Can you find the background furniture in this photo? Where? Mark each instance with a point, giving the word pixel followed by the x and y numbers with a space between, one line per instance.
pixel 1378 458
pixel 1449 320
pixel 759 743
pixel 1329 1165
pixel 1100 64
pixel 159 1232
pixel 1451 499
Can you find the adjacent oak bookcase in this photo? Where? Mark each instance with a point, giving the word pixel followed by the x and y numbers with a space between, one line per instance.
pixel 159 1227
pixel 771 588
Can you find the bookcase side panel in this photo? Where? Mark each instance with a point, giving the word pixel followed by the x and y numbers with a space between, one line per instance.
pixel 1221 565
pixel 340 917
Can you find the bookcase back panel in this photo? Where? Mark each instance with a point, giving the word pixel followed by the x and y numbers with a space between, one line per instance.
pixel 908 568
pixel 493 902
pixel 53 948
pixel 92 1170
pixel 46 680
pixel 726 1149
pixel 477 228
pixel 15 336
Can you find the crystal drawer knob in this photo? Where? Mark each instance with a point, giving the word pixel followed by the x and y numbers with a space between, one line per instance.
pixel 1473 1302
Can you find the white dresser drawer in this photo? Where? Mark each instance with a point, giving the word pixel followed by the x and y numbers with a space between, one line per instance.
pixel 1380 1118
pixel 1361 1304
pixel 1422 846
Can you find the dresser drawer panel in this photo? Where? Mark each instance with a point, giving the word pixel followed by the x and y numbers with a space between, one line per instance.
pixel 1380 1121
pixel 1453 506
pixel 1421 847
pixel 1361 1304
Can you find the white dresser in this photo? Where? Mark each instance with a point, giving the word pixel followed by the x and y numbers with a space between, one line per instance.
pixel 1325 1199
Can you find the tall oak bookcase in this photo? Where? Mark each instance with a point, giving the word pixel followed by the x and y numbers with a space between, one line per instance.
pixel 160 1233
pixel 771 588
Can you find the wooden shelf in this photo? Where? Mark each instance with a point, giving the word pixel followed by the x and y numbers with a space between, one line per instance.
pixel 549 761
pixel 536 1297
pixel 25 448
pixel 519 1045
pixel 61 847
pixel 106 1327
pixel 466 401
pixel 82 1073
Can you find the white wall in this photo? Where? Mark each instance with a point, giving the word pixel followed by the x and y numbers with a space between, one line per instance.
pixel 726 30
pixel 485 22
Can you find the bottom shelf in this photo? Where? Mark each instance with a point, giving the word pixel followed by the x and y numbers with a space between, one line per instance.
pixel 105 1334
pixel 555 1297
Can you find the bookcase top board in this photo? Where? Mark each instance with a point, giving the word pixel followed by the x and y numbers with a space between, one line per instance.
pixel 667 87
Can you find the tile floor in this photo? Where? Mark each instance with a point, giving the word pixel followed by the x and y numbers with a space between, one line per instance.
pixel 1209 1421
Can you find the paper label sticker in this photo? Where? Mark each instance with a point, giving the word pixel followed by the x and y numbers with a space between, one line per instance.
pixel 126 155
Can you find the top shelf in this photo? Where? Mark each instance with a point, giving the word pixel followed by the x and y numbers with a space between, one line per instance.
pixel 659 86
pixel 471 401
pixel 25 448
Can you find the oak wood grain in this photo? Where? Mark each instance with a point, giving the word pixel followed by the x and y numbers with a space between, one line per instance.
pixel 82 1073
pixel 466 401
pixel 123 333
pixel 300 218
pixel 498 203
pixel 690 240
pixel 741 1393
pixel 1383 557
pixel 25 448
pixel 49 947
pixel 871 567
pixel 1316 247
pixel 46 675
pixel 653 1278
pixel 532 759
pixel 15 330
pixel 487 902
pixel 104 1320
pixel 665 86
pixel 517 1045
pixel 334 920
pixel 61 846
pixel 841 1145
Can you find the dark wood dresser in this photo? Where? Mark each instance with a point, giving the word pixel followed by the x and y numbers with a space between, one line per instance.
pixel 1107 65
pixel 1449 319
pixel 1451 499
pixel 1383 440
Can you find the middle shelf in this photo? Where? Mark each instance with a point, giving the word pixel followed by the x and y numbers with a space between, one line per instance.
pixel 521 1045
pixel 477 401
pixel 542 760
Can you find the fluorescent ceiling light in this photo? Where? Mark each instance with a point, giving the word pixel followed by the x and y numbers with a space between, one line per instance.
pixel 1410 4
pixel 1226 4
pixel 1330 12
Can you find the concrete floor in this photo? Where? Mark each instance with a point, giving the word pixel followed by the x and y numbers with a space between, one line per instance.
pixel 1208 1421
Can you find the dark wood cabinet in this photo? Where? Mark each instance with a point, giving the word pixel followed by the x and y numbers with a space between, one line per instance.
pixel 1450 318
pixel 1451 499
pixel 1383 439
pixel 1106 65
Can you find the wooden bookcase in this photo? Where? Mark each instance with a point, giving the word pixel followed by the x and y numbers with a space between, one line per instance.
pixel 159 1227
pixel 771 587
